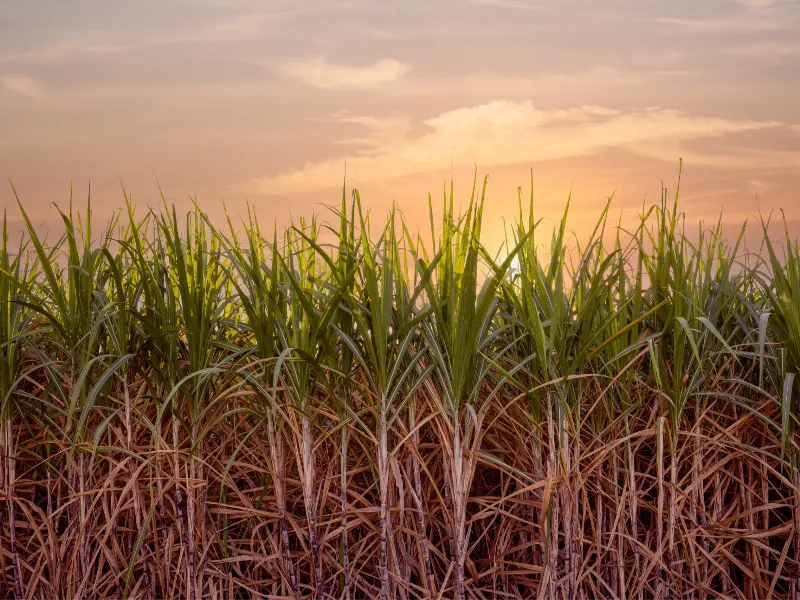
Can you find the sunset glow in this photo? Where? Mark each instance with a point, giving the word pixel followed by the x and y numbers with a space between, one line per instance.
pixel 272 103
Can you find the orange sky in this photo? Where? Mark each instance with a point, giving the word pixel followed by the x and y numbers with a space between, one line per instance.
pixel 247 100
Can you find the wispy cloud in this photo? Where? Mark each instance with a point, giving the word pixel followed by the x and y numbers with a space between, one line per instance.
pixel 320 73
pixel 756 3
pixel 501 133
pixel 746 23
pixel 658 58
pixel 87 45
pixel 287 7
pixel 379 131
pixel 447 89
pixel 754 7
pixel 97 45
pixel 561 83
pixel 244 20
pixel 738 158
pixel 511 4
pixel 767 50
pixel 21 85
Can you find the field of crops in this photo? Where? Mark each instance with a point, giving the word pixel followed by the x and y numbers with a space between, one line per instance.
pixel 348 409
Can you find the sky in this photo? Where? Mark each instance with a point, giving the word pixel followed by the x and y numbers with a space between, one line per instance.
pixel 272 103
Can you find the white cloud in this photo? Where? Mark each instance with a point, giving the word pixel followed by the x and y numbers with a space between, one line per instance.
pixel 320 73
pixel 504 132
pixel 21 85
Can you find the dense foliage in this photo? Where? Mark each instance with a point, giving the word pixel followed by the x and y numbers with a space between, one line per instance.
pixel 341 410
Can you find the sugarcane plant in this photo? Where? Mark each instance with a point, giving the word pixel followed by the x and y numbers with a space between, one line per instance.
pixel 341 407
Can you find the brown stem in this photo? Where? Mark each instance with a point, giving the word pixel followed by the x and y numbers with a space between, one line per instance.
pixel 538 474
pixel 310 505
pixel 178 492
pixel 191 517
pixel 633 501
pixel 383 475
pixel 276 452
pixel 660 515
pixel 724 570
pixel 553 520
pixel 418 499
pixel 753 589
pixel 672 516
pixel 459 508
pixel 619 558
pixel 570 554
pixel 796 482
pixel 343 496
pixel 448 501
pixel 697 469
pixel 9 470
pixel 553 517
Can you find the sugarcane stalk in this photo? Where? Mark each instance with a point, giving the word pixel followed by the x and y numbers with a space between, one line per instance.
pixel 418 500
pixel 310 505
pixel 619 559
pixel 633 502
pixel 277 460
pixel 660 513
pixel 383 475
pixel 459 508
pixel 178 492
pixel 343 503
pixel 553 517
pixel 448 501
pixel 796 485
pixel 673 485
pixel 191 517
pixel 9 470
